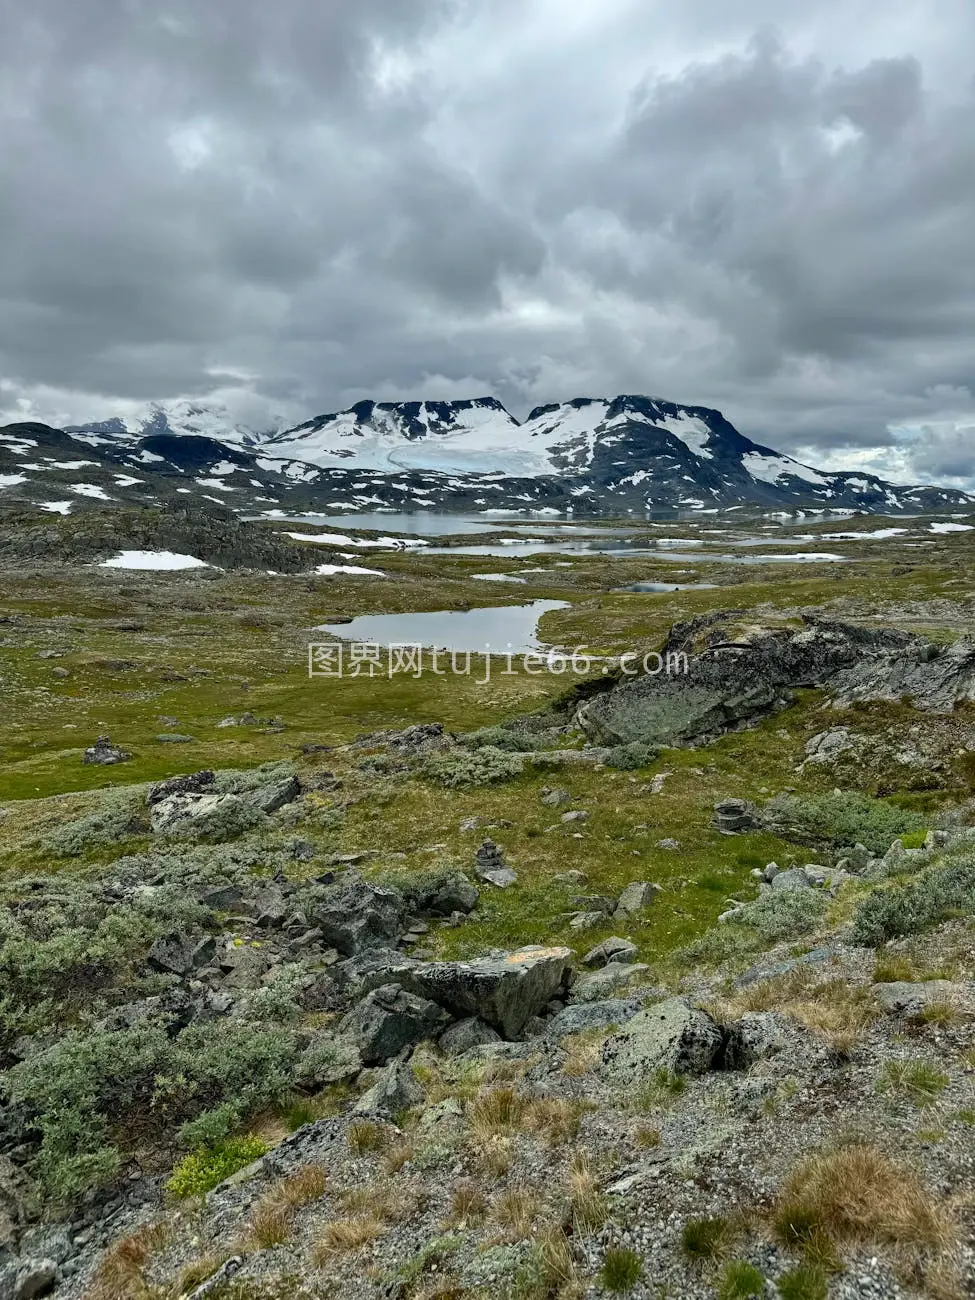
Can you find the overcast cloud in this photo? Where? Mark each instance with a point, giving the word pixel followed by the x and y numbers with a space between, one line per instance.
pixel 762 206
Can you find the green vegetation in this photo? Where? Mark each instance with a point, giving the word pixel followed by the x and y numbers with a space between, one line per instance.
pixel 705 1239
pixel 939 892
pixel 621 1269
pixel 201 1171
pixel 843 818
pixel 741 1281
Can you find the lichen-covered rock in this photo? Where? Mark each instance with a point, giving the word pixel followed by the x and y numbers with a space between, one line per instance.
pixel 354 915
pixel 396 1090
pixel 467 1034
pixel 671 1035
pixel 103 752
pixel 389 1019
pixel 613 949
pixel 505 990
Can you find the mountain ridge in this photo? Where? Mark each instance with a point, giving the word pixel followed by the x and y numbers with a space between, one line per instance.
pixel 588 455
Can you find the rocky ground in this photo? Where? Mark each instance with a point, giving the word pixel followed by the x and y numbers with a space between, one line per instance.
pixel 660 988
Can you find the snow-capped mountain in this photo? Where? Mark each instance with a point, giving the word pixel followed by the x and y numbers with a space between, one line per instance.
pixel 590 456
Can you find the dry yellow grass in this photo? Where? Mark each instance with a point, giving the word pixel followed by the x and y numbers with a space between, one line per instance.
pixel 121 1274
pixel 501 1109
pixel 399 1154
pixel 468 1204
pixel 517 1211
pixel 378 1200
pixel 343 1235
pixel 557 1119
pixel 587 1203
pixel 857 1194
pixel 270 1222
pixel 834 1009
pixel 582 1051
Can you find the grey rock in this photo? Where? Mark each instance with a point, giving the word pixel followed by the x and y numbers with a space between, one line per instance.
pixel 576 815
pixel 445 894
pixel 736 676
pixel 177 954
pixel 731 816
pixel 555 797
pixel 355 916
pixel 613 949
pixel 28 1278
pixel 269 798
pixel 668 843
pixel 329 1058
pixel 397 1089
pixel 174 738
pixel 586 920
pixel 466 1034
pixel 182 810
pixel 490 866
pixel 757 1035
pixel 195 783
pixel 505 990
pixel 389 1019
pixel 103 752
pixel 910 999
pixel 604 983
pixel 636 898
pixel 17 1200
pixel 787 881
pixel 577 1019
pixel 671 1035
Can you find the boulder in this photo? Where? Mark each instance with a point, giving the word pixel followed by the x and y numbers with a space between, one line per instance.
pixel 26 1278
pixel 904 998
pixel 604 983
pixel 103 752
pixel 729 672
pixel 192 784
pixel 579 1018
pixel 466 1034
pixel 449 892
pixel 505 990
pixel 791 880
pixel 636 898
pixel 671 1036
pixel 396 1090
pixel 389 1019
pixel 269 798
pixel 613 949
pixel 178 954
pixel 354 915
pixel 182 810
pixel 329 1058
pixel 731 816
pixel 555 797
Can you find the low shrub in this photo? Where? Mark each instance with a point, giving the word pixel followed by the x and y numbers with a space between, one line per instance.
pixel 741 1281
pixel 90 1086
pixel 627 758
pixel 621 1269
pixel 121 816
pixel 462 767
pixel 842 818
pixel 784 913
pixel 201 1171
pixel 935 895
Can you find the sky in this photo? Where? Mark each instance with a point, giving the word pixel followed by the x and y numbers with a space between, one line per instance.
pixel 763 206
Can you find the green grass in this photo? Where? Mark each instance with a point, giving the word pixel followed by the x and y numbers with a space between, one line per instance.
pixel 621 1270
pixel 741 1281
pixel 920 1081
pixel 201 1171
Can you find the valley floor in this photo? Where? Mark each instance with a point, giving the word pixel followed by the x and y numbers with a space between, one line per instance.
pixel 195 1098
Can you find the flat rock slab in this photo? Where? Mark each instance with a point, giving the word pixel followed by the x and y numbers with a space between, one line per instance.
pixel 505 991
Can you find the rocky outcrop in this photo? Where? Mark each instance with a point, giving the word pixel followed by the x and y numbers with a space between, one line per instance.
pixel 104 753
pixel 722 674
pixel 671 1036
pixel 505 990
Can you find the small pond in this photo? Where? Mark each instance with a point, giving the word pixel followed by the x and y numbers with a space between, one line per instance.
pixel 502 629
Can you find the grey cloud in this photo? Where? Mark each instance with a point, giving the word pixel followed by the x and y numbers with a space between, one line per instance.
pixel 590 197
